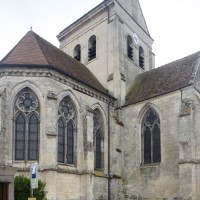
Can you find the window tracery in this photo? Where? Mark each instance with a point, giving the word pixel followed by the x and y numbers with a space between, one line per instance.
pixel 151 138
pixel 98 139
pixel 66 131
pixel 26 126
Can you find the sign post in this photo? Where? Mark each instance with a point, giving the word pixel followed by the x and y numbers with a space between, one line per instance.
pixel 34 178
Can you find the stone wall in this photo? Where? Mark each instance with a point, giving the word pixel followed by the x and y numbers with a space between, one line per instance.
pixel 62 181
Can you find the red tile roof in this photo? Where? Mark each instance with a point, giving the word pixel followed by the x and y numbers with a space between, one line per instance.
pixel 32 50
pixel 165 79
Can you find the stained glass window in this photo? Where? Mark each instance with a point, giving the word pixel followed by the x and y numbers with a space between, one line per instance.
pixel 61 141
pixel 26 125
pixel 151 137
pixel 66 131
pixel 33 138
pixel 98 128
pixel 70 142
pixel 20 137
pixel 98 150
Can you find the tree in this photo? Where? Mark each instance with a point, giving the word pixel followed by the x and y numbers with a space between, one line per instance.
pixel 22 189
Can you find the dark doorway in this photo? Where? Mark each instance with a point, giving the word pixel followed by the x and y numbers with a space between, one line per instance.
pixel 3 191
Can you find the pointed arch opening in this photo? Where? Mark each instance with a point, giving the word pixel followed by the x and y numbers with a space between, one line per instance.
pixel 151 142
pixel 27 122
pixel 98 139
pixel 66 131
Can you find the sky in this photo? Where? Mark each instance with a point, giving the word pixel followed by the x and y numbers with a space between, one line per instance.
pixel 173 24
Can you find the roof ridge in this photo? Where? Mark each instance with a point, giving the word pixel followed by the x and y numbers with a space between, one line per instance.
pixel 43 53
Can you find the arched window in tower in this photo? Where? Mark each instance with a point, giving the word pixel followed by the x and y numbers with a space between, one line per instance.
pixel 98 139
pixel 77 52
pixel 92 48
pixel 66 131
pixel 130 47
pixel 151 138
pixel 141 57
pixel 26 126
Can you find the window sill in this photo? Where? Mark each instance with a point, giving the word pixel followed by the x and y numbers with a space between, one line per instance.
pixel 99 173
pixel 67 168
pixel 66 165
pixel 88 62
pixel 151 170
pixel 130 60
pixel 149 165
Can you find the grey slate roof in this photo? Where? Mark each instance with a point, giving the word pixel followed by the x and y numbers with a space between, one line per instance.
pixel 162 80
pixel 34 51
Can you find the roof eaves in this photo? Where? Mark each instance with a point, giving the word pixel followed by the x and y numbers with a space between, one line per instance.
pixel 51 67
pixel 138 101
pixel 193 76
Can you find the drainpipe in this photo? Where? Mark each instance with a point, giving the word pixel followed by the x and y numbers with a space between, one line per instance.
pixel 109 150
pixel 108 11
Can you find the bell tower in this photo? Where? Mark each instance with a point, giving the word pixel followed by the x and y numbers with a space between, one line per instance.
pixel 114 43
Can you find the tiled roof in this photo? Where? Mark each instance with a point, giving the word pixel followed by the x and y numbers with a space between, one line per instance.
pixel 32 50
pixel 165 79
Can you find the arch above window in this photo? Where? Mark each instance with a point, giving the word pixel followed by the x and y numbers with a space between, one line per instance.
pixel 151 144
pixel 92 48
pixel 26 111
pixel 141 57
pixel 130 47
pixel 77 52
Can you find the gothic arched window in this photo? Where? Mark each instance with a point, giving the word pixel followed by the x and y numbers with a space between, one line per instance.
pixel 98 139
pixel 66 131
pixel 92 48
pixel 141 57
pixel 77 52
pixel 130 47
pixel 151 138
pixel 26 126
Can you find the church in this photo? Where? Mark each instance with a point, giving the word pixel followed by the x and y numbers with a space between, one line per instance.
pixel 97 116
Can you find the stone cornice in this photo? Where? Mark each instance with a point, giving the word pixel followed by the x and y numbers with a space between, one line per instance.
pixel 84 18
pixel 189 161
pixel 49 73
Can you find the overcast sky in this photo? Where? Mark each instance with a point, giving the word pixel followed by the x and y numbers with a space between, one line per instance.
pixel 173 24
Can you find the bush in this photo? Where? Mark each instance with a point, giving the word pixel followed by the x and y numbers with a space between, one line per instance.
pixel 22 189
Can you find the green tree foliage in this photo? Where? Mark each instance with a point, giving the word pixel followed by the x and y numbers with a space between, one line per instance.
pixel 22 189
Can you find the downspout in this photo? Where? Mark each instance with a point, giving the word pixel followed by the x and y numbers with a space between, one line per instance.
pixel 109 175
pixel 108 9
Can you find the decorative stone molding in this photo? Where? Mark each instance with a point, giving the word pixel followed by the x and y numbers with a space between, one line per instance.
pixel 56 76
pixel 3 125
pixel 84 106
pixel 186 107
pixel 51 95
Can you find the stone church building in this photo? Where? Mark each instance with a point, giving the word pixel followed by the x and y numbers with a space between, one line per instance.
pixel 97 116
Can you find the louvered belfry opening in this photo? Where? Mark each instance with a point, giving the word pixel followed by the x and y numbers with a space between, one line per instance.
pixel 77 52
pixel 92 48
pixel 141 57
pixel 130 47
